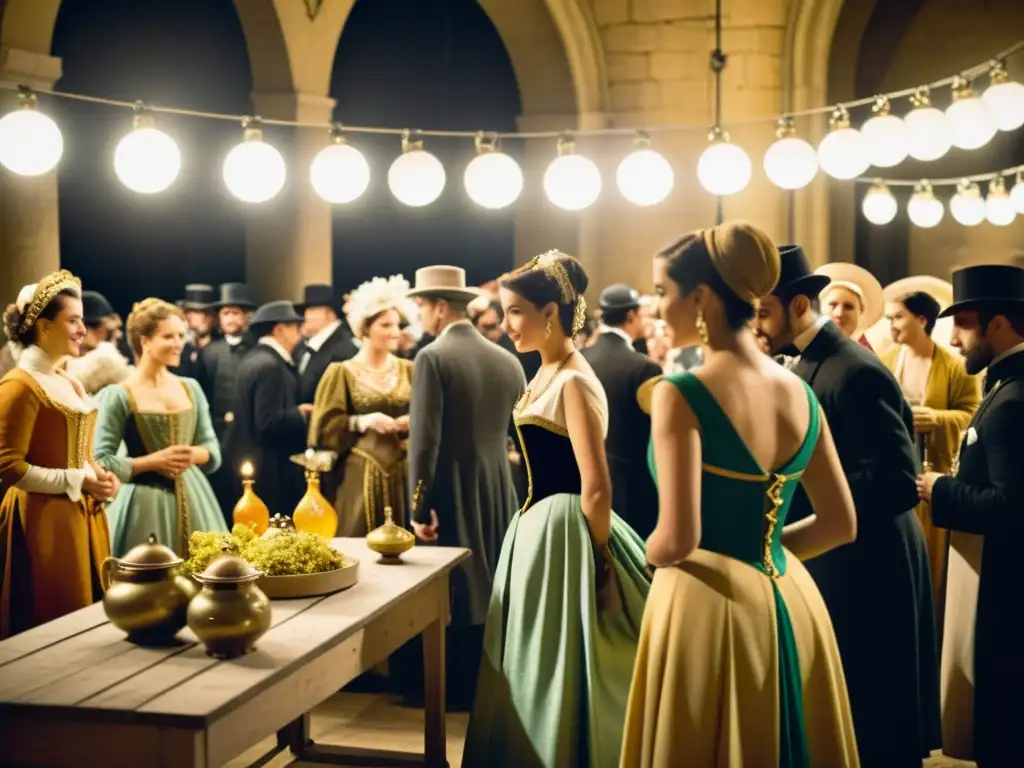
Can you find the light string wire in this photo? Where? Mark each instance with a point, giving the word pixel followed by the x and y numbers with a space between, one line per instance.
pixel 947 182
pixel 971 73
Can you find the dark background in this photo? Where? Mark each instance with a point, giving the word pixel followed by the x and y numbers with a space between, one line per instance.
pixel 400 63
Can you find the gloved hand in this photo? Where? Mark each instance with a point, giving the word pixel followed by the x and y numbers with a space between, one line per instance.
pixel 378 422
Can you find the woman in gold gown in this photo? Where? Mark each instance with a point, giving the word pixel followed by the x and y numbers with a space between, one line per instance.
pixel 53 530
pixel 361 411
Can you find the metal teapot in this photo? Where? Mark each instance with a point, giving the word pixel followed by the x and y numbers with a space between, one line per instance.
pixel 230 613
pixel 145 594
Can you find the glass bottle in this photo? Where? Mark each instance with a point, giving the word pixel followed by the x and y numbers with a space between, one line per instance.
pixel 250 509
pixel 314 513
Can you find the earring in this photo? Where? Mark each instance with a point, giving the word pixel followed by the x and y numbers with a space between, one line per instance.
pixel 702 327
pixel 547 329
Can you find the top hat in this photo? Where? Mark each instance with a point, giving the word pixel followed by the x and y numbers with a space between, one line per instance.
pixel 843 274
pixel 235 295
pixel 986 285
pixel 95 307
pixel 275 312
pixel 318 295
pixel 443 282
pixel 796 275
pixel 198 296
pixel 619 297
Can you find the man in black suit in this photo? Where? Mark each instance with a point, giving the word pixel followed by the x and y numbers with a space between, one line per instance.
pixel 198 306
pixel 270 420
pixel 328 339
pixel 878 588
pixel 628 378
pixel 985 495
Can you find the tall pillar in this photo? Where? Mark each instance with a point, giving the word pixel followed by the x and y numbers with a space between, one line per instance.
pixel 29 223
pixel 288 239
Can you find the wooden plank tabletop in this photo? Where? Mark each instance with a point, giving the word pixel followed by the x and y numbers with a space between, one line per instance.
pixel 81 666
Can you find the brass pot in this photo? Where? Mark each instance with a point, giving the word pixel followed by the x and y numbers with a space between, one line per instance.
pixel 230 613
pixel 145 595
pixel 390 540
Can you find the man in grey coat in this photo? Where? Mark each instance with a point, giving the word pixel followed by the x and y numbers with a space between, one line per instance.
pixel 464 389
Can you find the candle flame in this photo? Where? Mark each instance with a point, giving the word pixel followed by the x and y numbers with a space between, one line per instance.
pixel 247 470
pixel 310 453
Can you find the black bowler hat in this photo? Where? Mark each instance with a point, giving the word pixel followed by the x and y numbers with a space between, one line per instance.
pixel 318 295
pixel 95 307
pixel 796 276
pixel 619 297
pixel 198 296
pixel 275 312
pixel 235 295
pixel 986 285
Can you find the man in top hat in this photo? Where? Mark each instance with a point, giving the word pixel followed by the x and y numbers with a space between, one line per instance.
pixel 463 391
pixel 877 588
pixel 221 357
pixel 270 420
pixel 984 495
pixel 328 339
pixel 628 378
pixel 198 306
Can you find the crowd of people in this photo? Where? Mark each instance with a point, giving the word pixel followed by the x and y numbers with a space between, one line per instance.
pixel 726 523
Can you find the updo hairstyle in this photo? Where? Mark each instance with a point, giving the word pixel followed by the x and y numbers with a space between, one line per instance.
pixel 13 318
pixel 539 286
pixel 145 318
pixel 921 304
pixel 737 261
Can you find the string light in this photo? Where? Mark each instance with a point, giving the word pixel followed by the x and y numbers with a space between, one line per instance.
pixel 970 120
pixel 493 179
pixel 644 177
pixel 339 173
pixel 31 144
pixel 843 153
pixel 147 160
pixel 572 182
pixel 790 163
pixel 924 209
pixel 724 168
pixel 879 206
pixel 1017 193
pixel 254 171
pixel 967 205
pixel 416 178
pixel 1004 99
pixel 885 136
pixel 928 130
pixel 999 209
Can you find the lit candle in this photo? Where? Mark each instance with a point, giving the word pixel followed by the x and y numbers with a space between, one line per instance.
pixel 247 470
pixel 250 509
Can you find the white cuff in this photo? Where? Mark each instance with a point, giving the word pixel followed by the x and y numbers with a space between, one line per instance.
pixel 56 481
pixel 357 423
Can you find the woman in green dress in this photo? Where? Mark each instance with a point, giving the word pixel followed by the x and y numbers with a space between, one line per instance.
pixel 569 590
pixel 165 423
pixel 738 663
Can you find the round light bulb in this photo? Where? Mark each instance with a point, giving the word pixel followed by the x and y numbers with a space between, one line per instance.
pixel 724 168
pixel 572 182
pixel 970 121
pixel 967 205
pixel 254 171
pixel 999 208
pixel 1017 195
pixel 791 163
pixel 885 140
pixel 1004 99
pixel 843 153
pixel 644 177
pixel 31 144
pixel 928 133
pixel 879 206
pixel 339 173
pixel 147 160
pixel 416 178
pixel 924 209
pixel 493 180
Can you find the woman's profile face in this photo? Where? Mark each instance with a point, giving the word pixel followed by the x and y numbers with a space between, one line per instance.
pixel 62 336
pixel 678 313
pixel 905 327
pixel 166 343
pixel 844 307
pixel 524 323
pixel 385 332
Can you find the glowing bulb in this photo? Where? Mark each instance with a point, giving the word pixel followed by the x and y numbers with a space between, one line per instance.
pixel 724 168
pixel 339 172
pixel 644 176
pixel 843 153
pixel 31 144
pixel 416 178
pixel 999 208
pixel 493 179
pixel 254 171
pixel 969 118
pixel 147 160
pixel 1004 99
pixel 924 209
pixel 572 182
pixel 790 163
pixel 967 205
pixel 879 205
pixel 1017 193
pixel 885 137
pixel 928 130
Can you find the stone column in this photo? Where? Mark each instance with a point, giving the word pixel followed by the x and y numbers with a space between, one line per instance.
pixel 288 239
pixel 29 224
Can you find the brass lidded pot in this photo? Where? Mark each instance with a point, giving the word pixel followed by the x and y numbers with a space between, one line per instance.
pixel 390 540
pixel 145 594
pixel 230 613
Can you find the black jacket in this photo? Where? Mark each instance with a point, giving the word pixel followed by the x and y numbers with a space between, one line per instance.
pixel 336 349
pixel 219 363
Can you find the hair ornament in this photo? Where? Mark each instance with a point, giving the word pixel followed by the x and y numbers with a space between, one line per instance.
pixel 375 296
pixel 44 292
pixel 579 316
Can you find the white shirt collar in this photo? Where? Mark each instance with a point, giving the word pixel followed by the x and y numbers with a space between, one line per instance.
pixel 232 340
pixel 270 341
pixel 447 328
pixel 34 360
pixel 602 328
pixel 1011 351
pixel 319 338
pixel 804 339
pixel 60 387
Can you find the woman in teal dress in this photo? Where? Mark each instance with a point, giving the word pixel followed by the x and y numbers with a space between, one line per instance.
pixel 165 423
pixel 738 663
pixel 569 591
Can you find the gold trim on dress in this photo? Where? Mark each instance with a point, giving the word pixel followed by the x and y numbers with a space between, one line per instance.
pixel 417 498
pixel 645 393
pixel 543 423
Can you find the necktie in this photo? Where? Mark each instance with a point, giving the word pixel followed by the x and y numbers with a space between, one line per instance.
pixel 304 353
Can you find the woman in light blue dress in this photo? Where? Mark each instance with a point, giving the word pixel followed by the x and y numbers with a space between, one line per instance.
pixel 164 421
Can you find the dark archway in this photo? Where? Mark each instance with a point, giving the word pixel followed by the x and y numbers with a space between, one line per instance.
pixel 189 53
pixel 438 65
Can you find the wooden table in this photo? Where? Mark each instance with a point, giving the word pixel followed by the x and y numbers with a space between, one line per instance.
pixel 75 692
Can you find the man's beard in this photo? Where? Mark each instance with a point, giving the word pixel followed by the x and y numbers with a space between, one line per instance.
pixel 779 342
pixel 978 358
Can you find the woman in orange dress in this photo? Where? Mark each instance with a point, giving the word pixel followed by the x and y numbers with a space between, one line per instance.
pixel 53 530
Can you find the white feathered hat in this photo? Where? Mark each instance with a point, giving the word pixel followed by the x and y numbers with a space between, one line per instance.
pixel 376 295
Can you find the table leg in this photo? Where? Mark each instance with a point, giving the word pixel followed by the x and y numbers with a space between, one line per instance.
pixel 435 737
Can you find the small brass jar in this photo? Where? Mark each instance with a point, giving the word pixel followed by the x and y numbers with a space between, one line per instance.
pixel 230 613
pixel 390 540
pixel 145 593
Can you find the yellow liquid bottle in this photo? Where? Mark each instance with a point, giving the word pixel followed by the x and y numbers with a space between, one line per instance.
pixel 315 514
pixel 250 509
